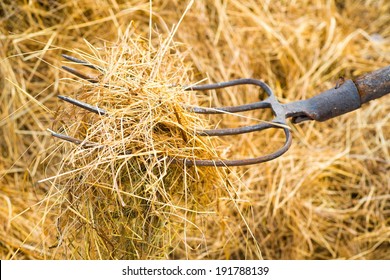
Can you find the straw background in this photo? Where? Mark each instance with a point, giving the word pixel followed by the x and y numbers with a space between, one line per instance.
pixel 328 197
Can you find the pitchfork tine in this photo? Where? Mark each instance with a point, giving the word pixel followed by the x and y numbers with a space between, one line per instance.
pixel 80 75
pixel 82 62
pixel 230 109
pixel 240 162
pixel 72 139
pixel 66 138
pixel 86 106
pixel 237 130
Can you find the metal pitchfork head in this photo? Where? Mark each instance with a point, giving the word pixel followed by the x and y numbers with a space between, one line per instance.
pixel 345 97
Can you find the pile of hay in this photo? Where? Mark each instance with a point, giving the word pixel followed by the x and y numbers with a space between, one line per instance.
pixel 122 186
pixel 121 197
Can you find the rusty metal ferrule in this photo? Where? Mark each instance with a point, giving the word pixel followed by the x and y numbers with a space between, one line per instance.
pixel 328 104
pixel 373 85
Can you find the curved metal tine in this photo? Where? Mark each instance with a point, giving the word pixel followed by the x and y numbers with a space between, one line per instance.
pixel 83 105
pixel 267 103
pixel 241 162
pixel 82 62
pixel 73 140
pixel 231 109
pixel 231 83
pixel 239 130
pixel 80 75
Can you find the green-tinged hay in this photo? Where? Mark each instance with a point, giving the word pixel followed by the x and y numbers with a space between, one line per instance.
pixel 123 198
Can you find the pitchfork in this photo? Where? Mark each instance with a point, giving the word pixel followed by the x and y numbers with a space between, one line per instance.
pixel 347 96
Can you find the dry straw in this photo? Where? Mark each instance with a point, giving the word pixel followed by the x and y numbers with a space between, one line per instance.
pixel 123 198
pixel 327 198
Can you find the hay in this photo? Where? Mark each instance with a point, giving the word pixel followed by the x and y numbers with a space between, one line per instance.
pixel 327 198
pixel 119 185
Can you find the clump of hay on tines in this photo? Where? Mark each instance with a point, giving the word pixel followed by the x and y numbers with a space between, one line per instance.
pixel 122 195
